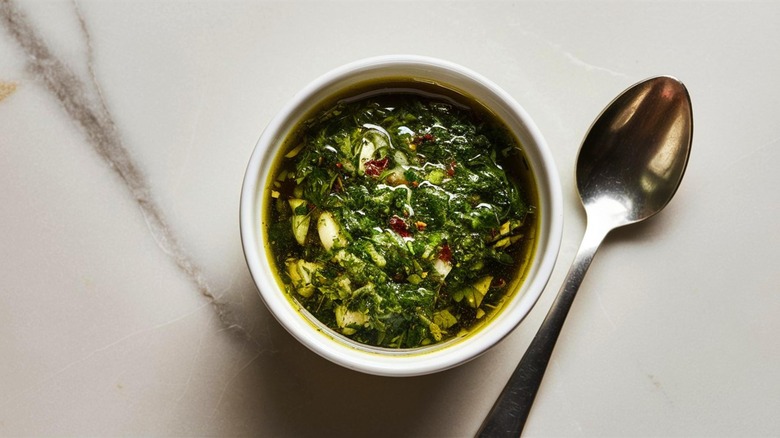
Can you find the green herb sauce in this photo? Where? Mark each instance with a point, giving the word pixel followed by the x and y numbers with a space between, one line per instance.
pixel 401 218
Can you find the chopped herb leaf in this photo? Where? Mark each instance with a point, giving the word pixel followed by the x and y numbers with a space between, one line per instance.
pixel 395 221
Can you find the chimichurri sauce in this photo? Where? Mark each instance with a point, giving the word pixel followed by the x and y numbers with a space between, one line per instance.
pixel 401 220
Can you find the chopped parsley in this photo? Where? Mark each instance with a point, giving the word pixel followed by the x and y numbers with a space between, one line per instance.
pixel 401 220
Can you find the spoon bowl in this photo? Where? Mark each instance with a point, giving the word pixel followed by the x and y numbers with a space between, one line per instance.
pixel 637 150
pixel 628 169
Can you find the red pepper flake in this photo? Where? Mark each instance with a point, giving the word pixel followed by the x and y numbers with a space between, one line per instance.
pixel 399 226
pixel 451 168
pixel 376 167
pixel 498 282
pixel 425 138
pixel 445 254
pixel 339 165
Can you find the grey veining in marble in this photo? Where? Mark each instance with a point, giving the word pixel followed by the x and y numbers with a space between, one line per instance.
pixel 125 128
pixel 85 103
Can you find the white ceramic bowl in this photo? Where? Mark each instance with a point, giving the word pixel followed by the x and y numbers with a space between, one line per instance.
pixel 328 343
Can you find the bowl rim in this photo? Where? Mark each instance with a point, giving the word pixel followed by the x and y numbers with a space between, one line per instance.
pixel 414 362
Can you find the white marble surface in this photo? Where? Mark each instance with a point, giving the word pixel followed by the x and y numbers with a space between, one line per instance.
pixel 126 307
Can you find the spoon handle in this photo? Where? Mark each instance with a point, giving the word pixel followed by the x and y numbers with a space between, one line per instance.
pixel 509 413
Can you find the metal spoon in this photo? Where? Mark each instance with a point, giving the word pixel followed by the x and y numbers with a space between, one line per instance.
pixel 629 167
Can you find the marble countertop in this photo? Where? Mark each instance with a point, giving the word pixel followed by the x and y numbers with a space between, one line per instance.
pixel 126 307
